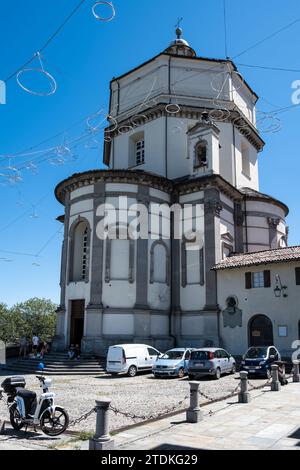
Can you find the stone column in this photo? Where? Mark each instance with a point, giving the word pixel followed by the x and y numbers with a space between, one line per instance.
pixel 212 244
pixel 94 311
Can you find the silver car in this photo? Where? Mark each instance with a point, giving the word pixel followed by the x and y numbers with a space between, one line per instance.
pixel 212 362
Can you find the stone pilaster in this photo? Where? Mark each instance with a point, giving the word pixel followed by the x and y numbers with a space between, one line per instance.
pixel 64 254
pixel 94 311
pixel 212 244
pixel 239 219
pixel 97 253
pixel 273 226
pixel 142 259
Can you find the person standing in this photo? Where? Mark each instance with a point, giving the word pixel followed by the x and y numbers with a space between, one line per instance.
pixel 43 349
pixel 35 344
pixel 23 347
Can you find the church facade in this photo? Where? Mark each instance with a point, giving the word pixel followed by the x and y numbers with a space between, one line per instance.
pixel 182 131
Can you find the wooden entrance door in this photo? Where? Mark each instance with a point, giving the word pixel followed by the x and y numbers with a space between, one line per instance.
pixel 77 321
pixel 261 331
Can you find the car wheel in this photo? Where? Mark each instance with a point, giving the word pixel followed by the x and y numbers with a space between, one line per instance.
pixel 233 370
pixel 132 371
pixel 181 373
pixel 217 375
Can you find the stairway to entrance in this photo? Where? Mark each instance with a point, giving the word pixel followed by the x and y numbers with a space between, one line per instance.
pixel 57 363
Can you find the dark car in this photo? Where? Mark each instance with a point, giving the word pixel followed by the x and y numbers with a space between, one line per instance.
pixel 258 360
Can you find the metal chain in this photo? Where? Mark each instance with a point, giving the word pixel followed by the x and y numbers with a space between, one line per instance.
pixel 221 398
pixel 257 387
pixel 83 417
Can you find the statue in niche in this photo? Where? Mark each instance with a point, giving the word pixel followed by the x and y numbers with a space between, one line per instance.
pixel 232 315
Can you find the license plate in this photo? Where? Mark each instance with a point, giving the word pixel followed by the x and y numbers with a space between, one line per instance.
pixel 199 364
pixel 252 371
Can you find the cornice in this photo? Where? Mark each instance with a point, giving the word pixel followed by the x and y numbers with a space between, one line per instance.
pixel 235 117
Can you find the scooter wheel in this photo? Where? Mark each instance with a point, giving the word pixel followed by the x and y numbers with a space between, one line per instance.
pixel 15 418
pixel 55 425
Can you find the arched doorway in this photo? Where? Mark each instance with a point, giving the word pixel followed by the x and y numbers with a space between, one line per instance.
pixel 260 331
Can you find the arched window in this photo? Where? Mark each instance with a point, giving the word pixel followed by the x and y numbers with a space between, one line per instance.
pixel 80 252
pixel 159 263
pixel 137 149
pixel 201 154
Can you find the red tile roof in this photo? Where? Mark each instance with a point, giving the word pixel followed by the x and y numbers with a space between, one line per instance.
pixel 280 255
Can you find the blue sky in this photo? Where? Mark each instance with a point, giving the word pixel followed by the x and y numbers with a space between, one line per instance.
pixel 83 59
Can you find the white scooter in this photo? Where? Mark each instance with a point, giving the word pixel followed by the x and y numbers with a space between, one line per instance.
pixel 26 410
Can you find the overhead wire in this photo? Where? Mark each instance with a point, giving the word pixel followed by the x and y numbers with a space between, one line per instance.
pixel 46 44
pixel 267 38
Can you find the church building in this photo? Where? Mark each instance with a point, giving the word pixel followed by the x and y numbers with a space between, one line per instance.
pixel 181 130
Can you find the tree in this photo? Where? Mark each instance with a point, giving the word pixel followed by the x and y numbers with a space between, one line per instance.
pixel 6 327
pixel 35 316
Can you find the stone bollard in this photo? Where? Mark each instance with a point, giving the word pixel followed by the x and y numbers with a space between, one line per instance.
pixel 2 427
pixel 102 439
pixel 244 395
pixel 296 374
pixel 194 414
pixel 275 385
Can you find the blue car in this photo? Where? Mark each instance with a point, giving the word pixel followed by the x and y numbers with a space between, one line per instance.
pixel 174 363
pixel 258 360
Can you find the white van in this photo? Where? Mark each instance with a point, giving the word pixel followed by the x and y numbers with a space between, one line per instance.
pixel 130 359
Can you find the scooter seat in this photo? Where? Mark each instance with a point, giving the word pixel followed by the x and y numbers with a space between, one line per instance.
pixel 30 401
pixel 26 394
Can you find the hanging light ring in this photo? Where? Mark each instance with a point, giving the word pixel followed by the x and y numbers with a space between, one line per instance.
pixel 46 74
pixel 101 18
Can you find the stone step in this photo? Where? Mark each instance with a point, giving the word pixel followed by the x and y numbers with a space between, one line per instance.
pixel 61 371
pixel 58 365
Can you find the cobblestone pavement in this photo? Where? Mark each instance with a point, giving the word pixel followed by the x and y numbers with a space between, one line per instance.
pixel 142 396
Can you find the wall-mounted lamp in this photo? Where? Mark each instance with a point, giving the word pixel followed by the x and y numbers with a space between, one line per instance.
pixel 280 289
